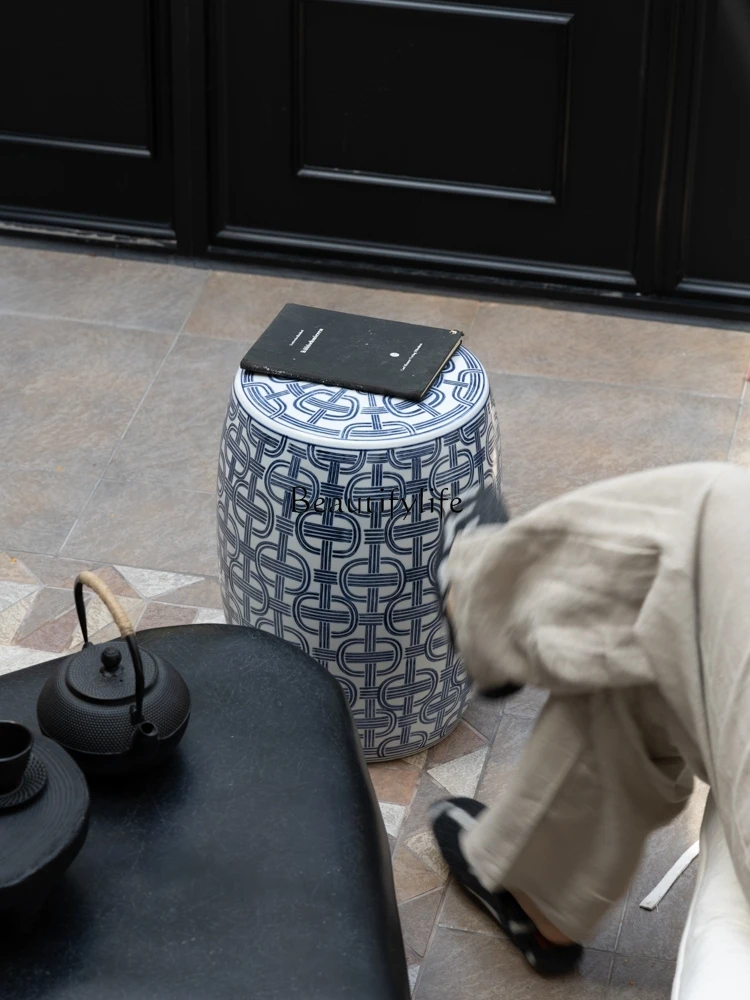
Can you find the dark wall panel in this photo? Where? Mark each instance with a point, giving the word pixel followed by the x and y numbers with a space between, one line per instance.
pixel 85 123
pixel 473 131
pixel 716 237
pixel 77 71
pixel 386 91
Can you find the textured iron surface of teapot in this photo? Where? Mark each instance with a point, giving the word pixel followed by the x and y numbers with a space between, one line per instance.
pixel 114 707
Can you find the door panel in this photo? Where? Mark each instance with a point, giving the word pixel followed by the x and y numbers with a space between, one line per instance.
pixel 404 124
pixel 715 246
pixel 86 132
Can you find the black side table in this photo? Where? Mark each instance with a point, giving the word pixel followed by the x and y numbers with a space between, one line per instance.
pixel 251 865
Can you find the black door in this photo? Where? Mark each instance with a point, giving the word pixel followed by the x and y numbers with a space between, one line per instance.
pixel 85 134
pixel 710 225
pixel 417 130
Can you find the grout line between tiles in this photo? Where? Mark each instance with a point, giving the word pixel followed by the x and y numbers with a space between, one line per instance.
pixel 740 407
pixel 99 324
pixel 487 742
pixel 178 489
pixel 611 972
pixel 122 436
pixel 622 918
pixel 431 938
pixel 103 562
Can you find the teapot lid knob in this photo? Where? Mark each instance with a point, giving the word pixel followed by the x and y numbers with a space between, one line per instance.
pixel 111 660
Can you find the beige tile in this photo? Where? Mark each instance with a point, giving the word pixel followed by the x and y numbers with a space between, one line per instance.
pixel 70 390
pixel 411 877
pixel 14 570
pixel 606 934
pixel 463 913
pixel 484 715
pixel 557 435
pixel 417 920
pixel 393 817
pixel 460 776
pixel 418 759
pixel 12 591
pixel 413 971
pixel 428 793
pixel 38 509
pixel 105 634
pixel 114 580
pixel 461 741
pixel 174 438
pixel 239 307
pixel 11 618
pixel 150 583
pixel 164 615
pixel 527 703
pixel 55 634
pixel 144 524
pixel 657 933
pixel 53 571
pixel 49 605
pixel 425 847
pixel 740 450
pixel 17 658
pixel 98 289
pixel 394 781
pixel 443 311
pixel 533 340
pixel 483 967
pixel 236 306
pixel 209 616
pixel 511 737
pixel 203 594
pixel 412 961
pixel 641 979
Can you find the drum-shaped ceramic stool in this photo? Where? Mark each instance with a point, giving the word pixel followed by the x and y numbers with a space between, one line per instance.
pixel 330 507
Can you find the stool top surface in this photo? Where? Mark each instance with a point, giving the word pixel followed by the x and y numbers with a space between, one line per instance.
pixel 321 414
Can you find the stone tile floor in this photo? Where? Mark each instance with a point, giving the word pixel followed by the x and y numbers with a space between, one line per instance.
pixel 115 379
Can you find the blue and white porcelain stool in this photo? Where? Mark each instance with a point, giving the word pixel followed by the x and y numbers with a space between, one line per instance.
pixel 329 515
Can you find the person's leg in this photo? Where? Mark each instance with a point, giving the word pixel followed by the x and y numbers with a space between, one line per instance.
pixel 598 774
pixel 723 690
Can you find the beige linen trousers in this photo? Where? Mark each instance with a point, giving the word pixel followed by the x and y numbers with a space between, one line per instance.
pixel 629 601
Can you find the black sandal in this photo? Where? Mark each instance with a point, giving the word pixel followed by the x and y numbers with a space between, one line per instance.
pixel 449 819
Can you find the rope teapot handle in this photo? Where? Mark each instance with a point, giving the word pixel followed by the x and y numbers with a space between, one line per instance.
pixel 124 624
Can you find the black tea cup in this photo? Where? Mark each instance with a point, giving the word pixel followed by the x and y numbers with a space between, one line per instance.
pixel 16 742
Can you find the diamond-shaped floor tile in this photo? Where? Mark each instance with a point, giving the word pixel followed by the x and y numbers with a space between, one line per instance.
pixel 50 604
pixel 11 618
pixel 12 568
pixel 461 741
pixel 16 657
pixel 394 781
pixel 461 775
pixel 12 591
pixel 425 847
pixel 209 616
pixel 393 817
pixel 152 582
pixel 411 877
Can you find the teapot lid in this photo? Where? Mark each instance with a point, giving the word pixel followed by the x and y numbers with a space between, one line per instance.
pixel 105 673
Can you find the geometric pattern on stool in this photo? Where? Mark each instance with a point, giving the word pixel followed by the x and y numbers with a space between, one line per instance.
pixel 349 575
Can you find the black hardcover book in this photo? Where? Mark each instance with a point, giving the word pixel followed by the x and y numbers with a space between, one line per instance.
pixel 357 352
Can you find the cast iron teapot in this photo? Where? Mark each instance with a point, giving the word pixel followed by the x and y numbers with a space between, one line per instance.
pixel 114 707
